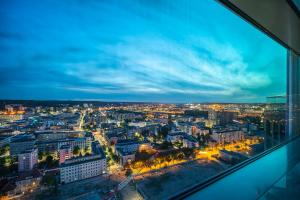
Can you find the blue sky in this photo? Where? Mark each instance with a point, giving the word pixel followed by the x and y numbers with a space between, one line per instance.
pixel 135 50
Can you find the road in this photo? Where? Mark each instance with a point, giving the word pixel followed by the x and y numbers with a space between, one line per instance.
pixel 81 120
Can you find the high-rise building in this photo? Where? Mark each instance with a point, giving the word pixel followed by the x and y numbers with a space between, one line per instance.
pixel 222 117
pixel 274 119
pixel 27 160
pixel 65 153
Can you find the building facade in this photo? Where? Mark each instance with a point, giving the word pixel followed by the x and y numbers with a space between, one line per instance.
pixel 65 153
pixel 27 160
pixel 84 167
pixel 20 144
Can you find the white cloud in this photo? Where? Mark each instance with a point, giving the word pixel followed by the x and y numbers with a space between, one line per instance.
pixel 163 66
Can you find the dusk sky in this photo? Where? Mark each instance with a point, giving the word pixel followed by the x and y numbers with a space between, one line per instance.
pixel 135 50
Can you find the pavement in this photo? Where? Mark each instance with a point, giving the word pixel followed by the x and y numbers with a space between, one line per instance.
pixel 99 185
pixel 169 181
pixel 130 193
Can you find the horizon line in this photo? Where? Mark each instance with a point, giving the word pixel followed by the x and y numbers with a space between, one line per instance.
pixel 114 101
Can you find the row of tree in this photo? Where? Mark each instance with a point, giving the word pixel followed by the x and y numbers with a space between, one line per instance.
pixel 146 160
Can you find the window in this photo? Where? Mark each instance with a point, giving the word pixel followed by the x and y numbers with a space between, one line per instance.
pixel 295 5
pixel 199 87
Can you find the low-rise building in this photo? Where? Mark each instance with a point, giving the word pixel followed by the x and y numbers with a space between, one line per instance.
pixel 127 145
pixel 113 137
pixel 227 136
pixel 175 136
pixel 84 167
pixel 21 143
pixel 189 142
pixel 54 145
pixel 57 135
pixel 28 184
pixel 126 149
pixel 25 183
pixel 125 156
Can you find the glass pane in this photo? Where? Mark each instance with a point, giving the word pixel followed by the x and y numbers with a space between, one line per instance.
pixel 262 179
pixel 134 99
pixel 297 4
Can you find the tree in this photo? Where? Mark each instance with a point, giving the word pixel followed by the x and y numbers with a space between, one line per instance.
pixel 4 150
pixel 128 172
pixel 145 133
pixel 180 156
pixel 41 155
pixel 87 149
pixel 154 138
pixel 178 144
pixel 162 133
pixel 115 158
pixel 76 150
pixel 169 158
pixel 50 180
pixel 165 145
pixel 199 139
pixel 187 152
pixel 49 160
pixel 142 155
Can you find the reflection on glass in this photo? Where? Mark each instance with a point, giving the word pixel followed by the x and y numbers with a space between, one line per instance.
pixel 274 118
pixel 155 97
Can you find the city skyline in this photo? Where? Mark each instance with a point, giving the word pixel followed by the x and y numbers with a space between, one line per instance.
pixel 162 51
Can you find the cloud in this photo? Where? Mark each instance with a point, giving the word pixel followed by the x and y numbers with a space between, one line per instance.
pixel 158 50
pixel 162 66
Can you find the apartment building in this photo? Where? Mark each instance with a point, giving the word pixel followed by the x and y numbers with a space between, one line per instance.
pixel 84 167
pixel 27 160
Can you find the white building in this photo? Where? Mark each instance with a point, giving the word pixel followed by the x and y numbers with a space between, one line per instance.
pixel 189 142
pixel 203 131
pixel 227 136
pixel 84 167
pixel 127 145
pixel 27 160
pixel 175 136
pixel 137 124
pixel 125 157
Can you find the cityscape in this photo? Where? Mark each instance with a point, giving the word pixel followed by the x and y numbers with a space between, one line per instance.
pixel 110 150
pixel 136 99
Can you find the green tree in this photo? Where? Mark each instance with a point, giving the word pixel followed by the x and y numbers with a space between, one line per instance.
pixel 50 180
pixel 115 158
pixel 180 156
pixel 49 160
pixel 187 152
pixel 76 150
pixel 4 150
pixel 87 149
pixel 169 158
pixel 142 155
pixel 163 132
pixel 165 145
pixel 41 155
pixel 128 172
